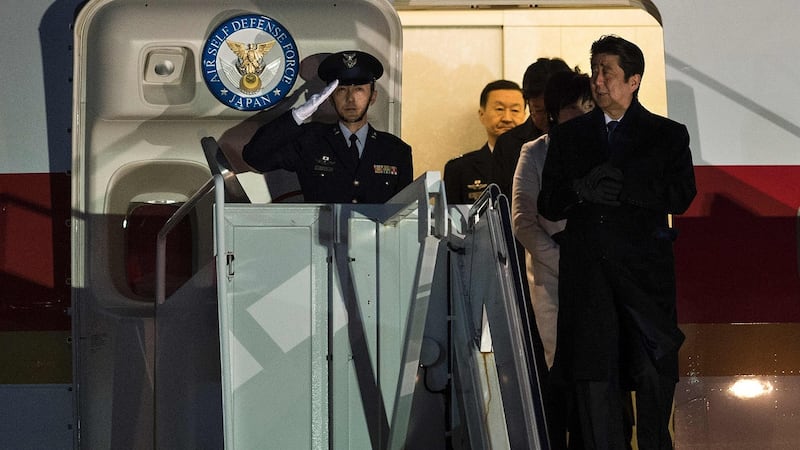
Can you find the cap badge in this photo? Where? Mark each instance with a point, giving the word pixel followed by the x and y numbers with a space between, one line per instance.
pixel 349 60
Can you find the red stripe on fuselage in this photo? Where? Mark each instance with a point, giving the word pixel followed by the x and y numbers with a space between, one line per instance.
pixel 736 255
pixel 737 252
pixel 34 251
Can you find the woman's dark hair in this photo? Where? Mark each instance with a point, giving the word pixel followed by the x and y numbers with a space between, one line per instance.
pixel 563 89
pixel 536 75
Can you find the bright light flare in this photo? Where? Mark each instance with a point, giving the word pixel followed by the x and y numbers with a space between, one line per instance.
pixel 750 388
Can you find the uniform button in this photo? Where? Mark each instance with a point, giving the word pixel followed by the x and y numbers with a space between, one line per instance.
pixel 355 183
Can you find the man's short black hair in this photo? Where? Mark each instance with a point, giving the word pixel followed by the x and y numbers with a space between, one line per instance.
pixel 497 85
pixel 631 59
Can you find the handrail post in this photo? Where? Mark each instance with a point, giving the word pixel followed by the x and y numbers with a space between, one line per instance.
pixel 161 240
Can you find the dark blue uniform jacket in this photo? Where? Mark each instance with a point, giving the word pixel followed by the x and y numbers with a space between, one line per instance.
pixel 327 169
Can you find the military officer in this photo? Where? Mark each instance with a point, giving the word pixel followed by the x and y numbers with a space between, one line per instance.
pixel 502 108
pixel 344 162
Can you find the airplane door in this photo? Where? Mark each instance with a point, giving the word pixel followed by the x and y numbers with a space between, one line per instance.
pixel 151 79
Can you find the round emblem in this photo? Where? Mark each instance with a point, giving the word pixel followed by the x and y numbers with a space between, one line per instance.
pixel 250 62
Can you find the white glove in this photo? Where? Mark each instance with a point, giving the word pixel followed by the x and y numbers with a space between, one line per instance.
pixel 304 111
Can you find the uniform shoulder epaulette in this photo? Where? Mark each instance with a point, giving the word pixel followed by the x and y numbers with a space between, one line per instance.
pixel 456 157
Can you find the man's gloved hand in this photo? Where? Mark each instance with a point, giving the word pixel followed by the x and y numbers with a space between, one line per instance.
pixel 602 185
pixel 304 111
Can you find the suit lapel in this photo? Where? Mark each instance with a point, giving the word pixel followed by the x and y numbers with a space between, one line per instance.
pixel 599 131
pixel 370 146
pixel 371 150
pixel 634 127
pixel 483 165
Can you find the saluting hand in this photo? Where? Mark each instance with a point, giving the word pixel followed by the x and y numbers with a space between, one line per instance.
pixel 304 111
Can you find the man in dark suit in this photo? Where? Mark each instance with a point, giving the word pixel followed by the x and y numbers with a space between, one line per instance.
pixel 617 324
pixel 344 162
pixel 502 107
pixel 506 150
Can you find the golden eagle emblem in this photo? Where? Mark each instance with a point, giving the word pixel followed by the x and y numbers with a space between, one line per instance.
pixel 250 62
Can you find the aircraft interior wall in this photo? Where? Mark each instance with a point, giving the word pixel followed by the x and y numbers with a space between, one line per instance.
pixel 449 55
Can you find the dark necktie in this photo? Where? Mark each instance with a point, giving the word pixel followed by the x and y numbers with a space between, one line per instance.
pixel 353 145
pixel 613 139
pixel 612 125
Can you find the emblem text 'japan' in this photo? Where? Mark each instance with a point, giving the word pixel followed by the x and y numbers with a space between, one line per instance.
pixel 250 62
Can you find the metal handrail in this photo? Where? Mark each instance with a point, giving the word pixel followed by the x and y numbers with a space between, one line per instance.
pixel 161 240
pixel 425 195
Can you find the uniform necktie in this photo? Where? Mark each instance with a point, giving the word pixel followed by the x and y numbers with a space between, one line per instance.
pixel 354 145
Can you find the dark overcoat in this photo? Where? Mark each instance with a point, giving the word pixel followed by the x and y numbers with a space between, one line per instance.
pixel 506 153
pixel 617 277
